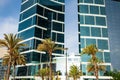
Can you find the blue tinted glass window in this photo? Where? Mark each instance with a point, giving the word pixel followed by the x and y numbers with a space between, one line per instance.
pixel 85 58
pixel 88 1
pixel 25 24
pixel 94 9
pixel 102 10
pixel 100 21
pixel 81 1
pixel 27 34
pixel 29 12
pixel 82 43
pixel 81 19
pixel 95 32
pixel 100 55
pixel 108 68
pixel 104 32
pixel 99 1
pixel 102 44
pixel 61 0
pixel 27 4
pixel 83 8
pixel 89 20
pixel 84 31
pixel 84 69
pixel 90 41
pixel 107 57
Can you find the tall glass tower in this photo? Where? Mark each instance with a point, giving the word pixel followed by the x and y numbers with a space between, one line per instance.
pixel 39 19
pixel 93 30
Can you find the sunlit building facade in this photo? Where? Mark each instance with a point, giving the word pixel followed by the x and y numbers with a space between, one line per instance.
pixel 93 29
pixel 39 19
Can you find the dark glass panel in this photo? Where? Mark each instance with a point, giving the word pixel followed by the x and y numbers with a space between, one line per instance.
pixel 61 17
pixel 42 22
pixel 22 71
pixel 36 57
pixel 57 26
pixel 60 37
pixel 54 37
pixel 38 32
pixel 51 5
pixel 40 10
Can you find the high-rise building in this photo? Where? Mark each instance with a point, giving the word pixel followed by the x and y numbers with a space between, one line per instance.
pixel 39 19
pixel 2 70
pixel 93 30
pixel 113 17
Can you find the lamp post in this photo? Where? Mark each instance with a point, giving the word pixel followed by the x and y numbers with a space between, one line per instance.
pixel 66 62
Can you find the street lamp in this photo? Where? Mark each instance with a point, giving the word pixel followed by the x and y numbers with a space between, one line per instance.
pixel 66 62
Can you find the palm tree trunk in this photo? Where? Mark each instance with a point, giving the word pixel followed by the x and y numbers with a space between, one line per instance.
pixel 14 72
pixel 96 72
pixel 50 66
pixel 42 77
pixel 8 70
pixel 95 66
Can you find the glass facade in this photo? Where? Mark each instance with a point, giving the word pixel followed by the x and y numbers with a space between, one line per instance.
pixel 93 30
pixel 2 70
pixel 40 19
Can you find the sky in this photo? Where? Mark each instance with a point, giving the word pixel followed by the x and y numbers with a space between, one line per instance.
pixel 71 26
pixel 9 18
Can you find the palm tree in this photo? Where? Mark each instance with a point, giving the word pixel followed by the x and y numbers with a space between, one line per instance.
pixel 18 59
pixel 93 66
pixel 49 46
pixel 75 72
pixel 43 72
pixel 12 43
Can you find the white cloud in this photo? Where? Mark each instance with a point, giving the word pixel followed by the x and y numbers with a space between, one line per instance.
pixel 8 25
